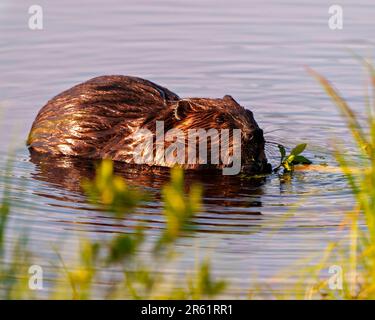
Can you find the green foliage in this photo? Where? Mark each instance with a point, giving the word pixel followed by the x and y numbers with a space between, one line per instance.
pixel 4 208
pixel 359 282
pixel 287 162
pixel 140 282
pixel 111 192
pixel 204 286
pixel 124 246
pixel 4 213
pixel 82 276
pixel 14 259
pixel 179 208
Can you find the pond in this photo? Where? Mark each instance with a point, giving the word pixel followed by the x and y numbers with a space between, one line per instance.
pixel 255 51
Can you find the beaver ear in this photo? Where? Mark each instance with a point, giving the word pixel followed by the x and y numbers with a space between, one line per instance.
pixel 182 109
pixel 230 99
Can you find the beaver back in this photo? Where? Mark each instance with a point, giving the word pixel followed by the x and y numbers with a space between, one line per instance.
pixel 82 120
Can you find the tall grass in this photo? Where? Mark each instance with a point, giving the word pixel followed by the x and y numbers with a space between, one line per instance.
pixel 359 254
pixel 15 258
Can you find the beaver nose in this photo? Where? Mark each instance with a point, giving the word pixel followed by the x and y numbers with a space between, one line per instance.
pixel 258 135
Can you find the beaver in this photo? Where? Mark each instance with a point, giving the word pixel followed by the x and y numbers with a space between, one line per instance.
pixel 98 119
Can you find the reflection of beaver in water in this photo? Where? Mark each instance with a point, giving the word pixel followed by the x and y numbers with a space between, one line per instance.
pixel 66 173
pixel 97 119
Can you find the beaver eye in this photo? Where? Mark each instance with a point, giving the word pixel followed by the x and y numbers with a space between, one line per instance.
pixel 220 119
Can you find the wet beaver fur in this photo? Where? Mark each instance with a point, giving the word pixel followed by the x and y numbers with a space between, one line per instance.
pixel 96 119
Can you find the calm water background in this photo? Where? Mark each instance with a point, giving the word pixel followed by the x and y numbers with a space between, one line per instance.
pixel 254 50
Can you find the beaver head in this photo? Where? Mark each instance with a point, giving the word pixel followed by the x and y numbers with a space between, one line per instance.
pixel 205 121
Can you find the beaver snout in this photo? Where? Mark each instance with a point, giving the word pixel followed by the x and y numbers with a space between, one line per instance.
pixel 255 160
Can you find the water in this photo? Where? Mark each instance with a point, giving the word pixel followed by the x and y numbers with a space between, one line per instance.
pixel 255 51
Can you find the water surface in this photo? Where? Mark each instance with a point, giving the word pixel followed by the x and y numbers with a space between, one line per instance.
pixel 255 51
